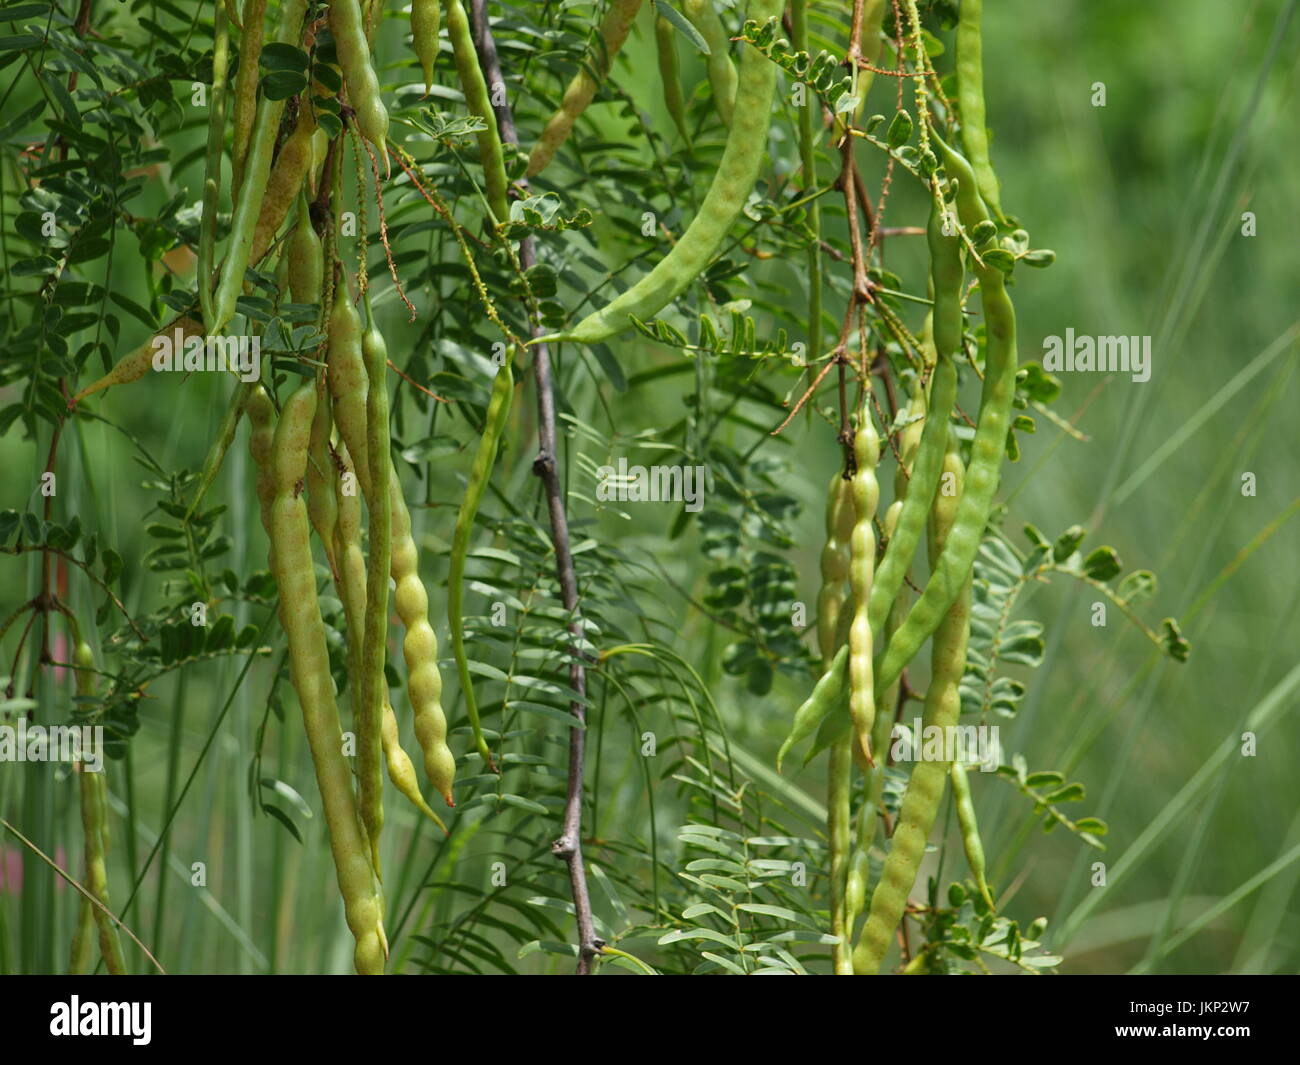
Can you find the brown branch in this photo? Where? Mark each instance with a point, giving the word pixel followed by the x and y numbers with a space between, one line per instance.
pixel 568 847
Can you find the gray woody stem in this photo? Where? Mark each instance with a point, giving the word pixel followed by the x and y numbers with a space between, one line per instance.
pixel 568 848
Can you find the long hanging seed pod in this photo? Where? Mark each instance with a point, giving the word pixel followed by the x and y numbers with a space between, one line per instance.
pixel 925 787
pixel 310 671
pixel 94 825
pixel 613 31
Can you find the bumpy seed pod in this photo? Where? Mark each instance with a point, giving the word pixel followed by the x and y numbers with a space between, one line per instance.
pixel 348 384
pixel 306 256
pixel 722 71
pixel 925 787
pixel 865 493
pixel 353 50
pixel 371 685
pixel 283 186
pixel 952 569
pixel 613 31
pixel 94 824
pixel 834 564
pixel 135 364
pixel 420 650
pixel 425 16
pixel 310 671
pixel 352 592
pixel 970 830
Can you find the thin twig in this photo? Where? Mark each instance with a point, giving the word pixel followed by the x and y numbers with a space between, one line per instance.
pixel 568 848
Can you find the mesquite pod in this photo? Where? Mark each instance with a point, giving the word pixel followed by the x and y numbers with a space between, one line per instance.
pixel 722 71
pixel 350 389
pixel 970 830
pixel 93 789
pixel 352 592
pixel 952 569
pixel 250 53
pixel 670 75
pixel 306 255
pixel 372 689
pixel 925 787
pixel 283 185
pixel 865 493
pixel 613 31
pixel 835 561
pixel 425 16
pixel 135 364
pixel 498 415
pixel 478 101
pixel 310 671
pixel 353 49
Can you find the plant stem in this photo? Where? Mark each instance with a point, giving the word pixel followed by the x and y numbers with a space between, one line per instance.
pixel 568 848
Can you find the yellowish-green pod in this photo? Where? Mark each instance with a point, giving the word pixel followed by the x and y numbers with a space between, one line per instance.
pixel 135 364
pixel 346 373
pixel 472 83
pixel 420 646
pixel 322 507
pixel 722 71
pixel 670 75
pixel 865 494
pixel 835 561
pixel 94 824
pixel 261 434
pixel 425 17
pixel 372 688
pixel 420 651
pixel 613 31
pixel 248 204
pixel 283 185
pixel 306 257
pixel 925 787
pixel 352 593
pixel 970 831
pixel 309 668
pixel 250 53
pixel 352 46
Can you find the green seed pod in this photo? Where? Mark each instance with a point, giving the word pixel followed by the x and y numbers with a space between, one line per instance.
pixel 670 75
pixel 925 787
pixel 425 17
pixel 306 257
pixel 93 790
pixel 865 493
pixel 352 592
pixel 970 830
pixel 952 569
pixel 310 671
pixel 732 183
pixel 970 98
pixel 722 71
pixel 371 686
pixel 353 49
pixel 613 31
